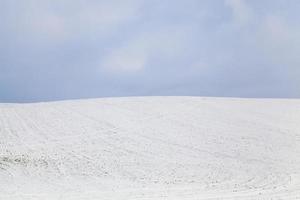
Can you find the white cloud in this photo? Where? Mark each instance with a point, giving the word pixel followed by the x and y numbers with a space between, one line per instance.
pixel 135 54
pixel 55 21
pixel 271 33
pixel 280 39
pixel 126 59
pixel 277 32
pixel 240 10
pixel 103 17
pixel 280 43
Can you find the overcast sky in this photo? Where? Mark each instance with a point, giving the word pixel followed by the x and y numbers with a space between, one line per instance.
pixel 65 49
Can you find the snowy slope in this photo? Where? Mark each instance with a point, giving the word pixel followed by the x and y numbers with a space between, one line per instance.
pixel 151 148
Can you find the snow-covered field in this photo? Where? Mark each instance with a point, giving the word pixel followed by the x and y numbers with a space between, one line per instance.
pixel 175 148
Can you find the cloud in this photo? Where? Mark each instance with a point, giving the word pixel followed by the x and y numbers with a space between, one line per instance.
pixel 124 59
pixel 240 10
pixel 55 49
pixel 279 36
pixel 56 21
pixel 275 34
pixel 135 54
pixel 279 41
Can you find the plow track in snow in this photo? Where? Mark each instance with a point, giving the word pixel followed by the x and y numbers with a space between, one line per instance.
pixel 151 148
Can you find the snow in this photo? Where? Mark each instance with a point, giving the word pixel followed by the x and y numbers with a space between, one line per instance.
pixel 150 148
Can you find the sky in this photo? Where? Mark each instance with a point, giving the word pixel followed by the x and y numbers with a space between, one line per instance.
pixel 71 49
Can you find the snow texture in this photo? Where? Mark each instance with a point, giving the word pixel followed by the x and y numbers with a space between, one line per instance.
pixel 146 148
